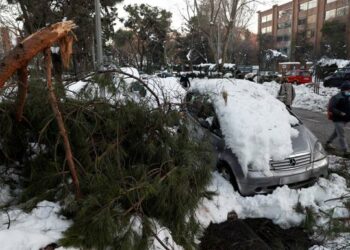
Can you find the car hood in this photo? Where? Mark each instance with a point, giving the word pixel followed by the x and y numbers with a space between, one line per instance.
pixel 302 143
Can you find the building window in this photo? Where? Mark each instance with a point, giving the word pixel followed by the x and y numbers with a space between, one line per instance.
pixel 311 19
pixel 266 18
pixel 308 5
pixel 267 29
pixel 302 21
pixel 330 14
pixel 310 34
pixel 284 25
pixel 285 13
pixel 284 38
pixel 343 11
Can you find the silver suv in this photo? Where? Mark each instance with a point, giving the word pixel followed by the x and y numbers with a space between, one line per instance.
pixel 307 162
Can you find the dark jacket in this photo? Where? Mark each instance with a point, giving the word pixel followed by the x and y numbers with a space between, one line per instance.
pixel 339 106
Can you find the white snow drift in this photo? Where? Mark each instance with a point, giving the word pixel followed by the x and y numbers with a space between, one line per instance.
pixel 305 97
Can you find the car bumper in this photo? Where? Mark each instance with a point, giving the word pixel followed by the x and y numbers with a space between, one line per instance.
pixel 258 183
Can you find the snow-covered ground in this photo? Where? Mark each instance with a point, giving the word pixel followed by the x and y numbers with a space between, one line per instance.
pixel 305 97
pixel 20 230
pixel 43 225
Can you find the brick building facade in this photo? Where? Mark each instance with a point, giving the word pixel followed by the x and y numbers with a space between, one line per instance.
pixel 284 22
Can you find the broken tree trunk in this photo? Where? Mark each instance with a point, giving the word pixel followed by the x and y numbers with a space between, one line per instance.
pixel 54 105
pixel 30 47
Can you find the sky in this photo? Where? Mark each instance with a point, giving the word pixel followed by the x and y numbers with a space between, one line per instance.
pixel 178 9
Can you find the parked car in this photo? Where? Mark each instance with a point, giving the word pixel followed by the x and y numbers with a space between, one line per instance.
pixel 164 74
pixel 268 76
pixel 299 76
pixel 307 162
pixel 250 77
pixel 337 78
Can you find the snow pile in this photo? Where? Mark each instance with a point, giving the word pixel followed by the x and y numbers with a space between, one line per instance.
pixel 32 231
pixel 248 121
pixel 165 236
pixel 212 66
pixel 305 97
pixel 341 63
pixel 167 90
pixel 280 206
pixel 271 54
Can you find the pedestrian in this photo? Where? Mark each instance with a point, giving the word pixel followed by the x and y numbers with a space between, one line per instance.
pixel 339 113
pixel 286 94
pixel 184 81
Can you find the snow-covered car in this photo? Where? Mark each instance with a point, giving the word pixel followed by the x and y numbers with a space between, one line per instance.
pixel 268 76
pixel 259 144
pixel 250 77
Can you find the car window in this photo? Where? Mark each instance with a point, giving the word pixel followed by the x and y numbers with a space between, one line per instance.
pixel 305 73
pixel 199 105
pixel 339 74
pixel 202 109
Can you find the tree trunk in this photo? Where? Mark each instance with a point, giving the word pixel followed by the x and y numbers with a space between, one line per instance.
pixel 60 123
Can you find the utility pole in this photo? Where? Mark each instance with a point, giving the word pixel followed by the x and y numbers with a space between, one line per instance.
pixel 98 36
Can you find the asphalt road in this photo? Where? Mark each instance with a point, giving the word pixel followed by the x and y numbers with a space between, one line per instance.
pixel 319 124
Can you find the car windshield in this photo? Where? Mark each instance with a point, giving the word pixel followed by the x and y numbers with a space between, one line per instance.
pixel 304 73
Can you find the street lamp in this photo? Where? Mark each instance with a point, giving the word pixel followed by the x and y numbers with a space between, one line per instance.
pixel 98 35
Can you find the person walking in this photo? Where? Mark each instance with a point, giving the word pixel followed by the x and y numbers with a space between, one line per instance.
pixel 184 81
pixel 339 113
pixel 286 94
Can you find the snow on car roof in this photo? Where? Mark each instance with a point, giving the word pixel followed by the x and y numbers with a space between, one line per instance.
pixel 341 63
pixel 255 125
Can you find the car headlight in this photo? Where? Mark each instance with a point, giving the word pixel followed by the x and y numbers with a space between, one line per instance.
pixel 318 153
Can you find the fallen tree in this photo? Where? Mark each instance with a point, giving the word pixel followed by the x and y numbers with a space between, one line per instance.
pixel 18 59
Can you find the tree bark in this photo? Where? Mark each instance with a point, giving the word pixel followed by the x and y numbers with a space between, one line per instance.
pixel 30 47
pixel 54 105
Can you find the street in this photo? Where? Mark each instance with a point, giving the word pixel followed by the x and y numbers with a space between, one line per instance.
pixel 319 124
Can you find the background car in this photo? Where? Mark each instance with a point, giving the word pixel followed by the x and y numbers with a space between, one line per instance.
pixel 337 78
pixel 267 76
pixel 299 76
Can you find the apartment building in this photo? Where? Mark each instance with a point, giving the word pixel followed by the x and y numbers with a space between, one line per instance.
pixel 284 23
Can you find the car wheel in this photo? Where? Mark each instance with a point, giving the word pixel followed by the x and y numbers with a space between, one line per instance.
pixel 226 172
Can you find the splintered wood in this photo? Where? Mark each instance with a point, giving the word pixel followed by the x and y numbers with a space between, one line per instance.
pixel 26 50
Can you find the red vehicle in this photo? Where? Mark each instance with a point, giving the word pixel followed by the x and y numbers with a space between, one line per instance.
pixel 299 76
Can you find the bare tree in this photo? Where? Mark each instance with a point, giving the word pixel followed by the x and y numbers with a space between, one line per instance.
pixel 218 20
pixel 8 14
